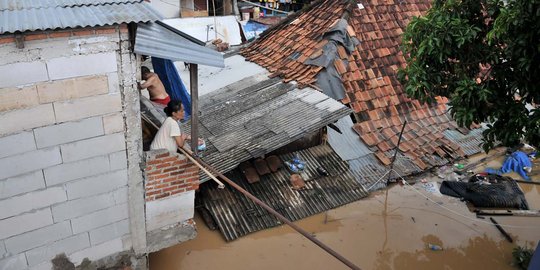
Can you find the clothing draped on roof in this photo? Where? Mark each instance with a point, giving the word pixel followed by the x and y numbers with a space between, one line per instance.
pixel 174 86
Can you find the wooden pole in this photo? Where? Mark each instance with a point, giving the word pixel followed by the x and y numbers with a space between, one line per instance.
pixel 501 230
pixel 279 216
pixel 194 89
pixel 396 152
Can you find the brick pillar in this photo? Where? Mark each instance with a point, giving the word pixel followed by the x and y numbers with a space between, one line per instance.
pixel 168 174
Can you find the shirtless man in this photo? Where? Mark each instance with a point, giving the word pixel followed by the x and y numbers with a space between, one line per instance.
pixel 155 87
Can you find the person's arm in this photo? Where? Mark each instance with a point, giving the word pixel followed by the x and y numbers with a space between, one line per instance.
pixel 146 84
pixel 181 140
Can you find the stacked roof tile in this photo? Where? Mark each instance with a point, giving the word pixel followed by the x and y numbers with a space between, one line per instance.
pixel 368 73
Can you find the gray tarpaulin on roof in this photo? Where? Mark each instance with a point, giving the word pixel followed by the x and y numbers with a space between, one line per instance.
pixel 347 144
pixel 157 40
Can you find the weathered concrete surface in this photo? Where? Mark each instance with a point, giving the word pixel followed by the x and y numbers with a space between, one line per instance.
pixel 172 235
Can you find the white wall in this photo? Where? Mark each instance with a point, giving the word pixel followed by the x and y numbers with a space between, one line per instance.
pixel 169 8
pixel 63 165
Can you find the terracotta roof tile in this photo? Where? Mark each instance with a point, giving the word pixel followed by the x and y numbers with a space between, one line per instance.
pixel 368 73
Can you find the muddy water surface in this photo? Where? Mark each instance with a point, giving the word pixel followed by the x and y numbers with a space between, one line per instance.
pixel 389 230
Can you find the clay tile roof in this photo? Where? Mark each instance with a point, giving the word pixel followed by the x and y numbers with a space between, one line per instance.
pixel 368 73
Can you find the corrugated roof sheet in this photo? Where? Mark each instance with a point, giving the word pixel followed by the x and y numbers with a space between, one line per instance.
pixel 69 16
pixel 347 145
pixel 156 40
pixel 237 216
pixel 258 115
pixel 470 143
pixel 30 4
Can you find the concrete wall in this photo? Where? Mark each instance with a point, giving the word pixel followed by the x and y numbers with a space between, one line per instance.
pixel 170 184
pixel 65 148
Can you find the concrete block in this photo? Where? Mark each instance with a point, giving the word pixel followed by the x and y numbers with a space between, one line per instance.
pixel 114 82
pixel 118 160
pixel 99 218
pixel 113 123
pixel 72 88
pixel 47 265
pixel 38 237
pixel 96 184
pixel 29 162
pixel 109 232
pixel 87 107
pixel 68 132
pixel 99 251
pixel 81 65
pixel 98 146
pixel 2 250
pixel 83 206
pixel 13 75
pixel 17 98
pixel 16 262
pixel 33 200
pixel 21 184
pixel 18 120
pixel 69 245
pixel 170 210
pixel 121 195
pixel 75 170
pixel 16 144
pixel 24 223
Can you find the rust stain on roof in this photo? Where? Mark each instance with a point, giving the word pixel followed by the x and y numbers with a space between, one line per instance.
pixel 368 73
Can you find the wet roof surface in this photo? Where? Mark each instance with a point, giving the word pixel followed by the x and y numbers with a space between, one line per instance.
pixel 257 115
pixel 299 49
pixel 237 216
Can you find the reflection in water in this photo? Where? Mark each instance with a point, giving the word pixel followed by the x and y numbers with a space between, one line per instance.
pixel 492 253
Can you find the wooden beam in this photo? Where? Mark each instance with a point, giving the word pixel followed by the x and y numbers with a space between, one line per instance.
pixel 194 89
pixel 521 213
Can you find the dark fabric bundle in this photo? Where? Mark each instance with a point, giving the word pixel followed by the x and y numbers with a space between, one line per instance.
pixel 504 192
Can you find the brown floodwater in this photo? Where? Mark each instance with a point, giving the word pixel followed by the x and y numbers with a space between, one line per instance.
pixel 391 229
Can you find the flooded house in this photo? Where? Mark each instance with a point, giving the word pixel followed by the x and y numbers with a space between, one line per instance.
pixel 348 51
pixel 72 167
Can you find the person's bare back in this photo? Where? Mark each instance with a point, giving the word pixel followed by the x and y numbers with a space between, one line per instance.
pixel 153 84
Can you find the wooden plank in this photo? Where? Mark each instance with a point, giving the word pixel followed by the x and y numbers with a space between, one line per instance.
pixel 521 213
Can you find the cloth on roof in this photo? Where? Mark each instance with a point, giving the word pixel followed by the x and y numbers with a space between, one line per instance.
pixel 503 193
pixel 174 86
pixel 515 162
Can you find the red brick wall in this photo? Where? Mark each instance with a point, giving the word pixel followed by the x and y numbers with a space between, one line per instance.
pixel 167 174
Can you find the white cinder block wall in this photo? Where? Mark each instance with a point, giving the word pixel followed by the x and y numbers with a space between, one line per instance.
pixel 63 165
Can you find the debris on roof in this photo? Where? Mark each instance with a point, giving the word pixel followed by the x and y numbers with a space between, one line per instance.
pixel 257 115
pixel 237 216
pixel 354 46
pixel 60 14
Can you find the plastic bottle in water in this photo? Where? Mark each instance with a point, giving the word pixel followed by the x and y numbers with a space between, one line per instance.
pixel 435 247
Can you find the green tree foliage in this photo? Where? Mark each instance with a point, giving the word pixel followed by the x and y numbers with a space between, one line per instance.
pixel 484 55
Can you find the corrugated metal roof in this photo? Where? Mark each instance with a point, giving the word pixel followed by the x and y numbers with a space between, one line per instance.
pixel 368 171
pixel 249 120
pixel 347 145
pixel 30 4
pixel 59 17
pixel 237 216
pixel 156 40
pixel 470 144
